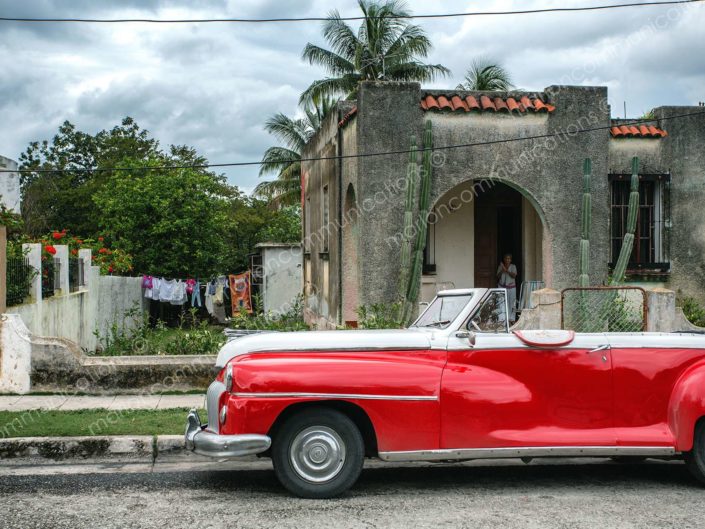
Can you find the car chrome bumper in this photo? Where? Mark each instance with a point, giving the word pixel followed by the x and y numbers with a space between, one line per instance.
pixel 206 443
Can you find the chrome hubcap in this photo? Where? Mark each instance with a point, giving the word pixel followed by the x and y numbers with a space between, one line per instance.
pixel 317 454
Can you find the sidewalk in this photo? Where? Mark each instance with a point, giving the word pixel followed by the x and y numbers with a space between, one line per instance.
pixel 112 402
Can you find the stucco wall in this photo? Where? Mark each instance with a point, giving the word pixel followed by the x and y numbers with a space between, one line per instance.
pixel 76 316
pixel 283 278
pixel 682 154
pixel 10 185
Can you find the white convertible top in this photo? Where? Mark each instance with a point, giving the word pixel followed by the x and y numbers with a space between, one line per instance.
pixel 323 340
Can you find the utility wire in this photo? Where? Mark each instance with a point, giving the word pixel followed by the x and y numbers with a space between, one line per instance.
pixel 320 18
pixel 359 155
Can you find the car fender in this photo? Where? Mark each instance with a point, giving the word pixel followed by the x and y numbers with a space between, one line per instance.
pixel 687 405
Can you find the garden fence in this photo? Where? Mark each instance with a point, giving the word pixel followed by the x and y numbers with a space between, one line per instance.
pixel 76 274
pixel 604 309
pixel 19 277
pixel 50 274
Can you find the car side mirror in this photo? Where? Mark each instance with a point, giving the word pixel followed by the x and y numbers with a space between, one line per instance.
pixel 466 335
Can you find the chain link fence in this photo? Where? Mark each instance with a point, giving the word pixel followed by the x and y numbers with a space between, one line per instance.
pixel 604 309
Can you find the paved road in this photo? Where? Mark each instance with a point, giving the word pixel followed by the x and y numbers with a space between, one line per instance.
pixel 474 495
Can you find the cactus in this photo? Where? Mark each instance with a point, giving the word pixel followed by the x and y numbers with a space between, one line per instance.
pixel 407 234
pixel 584 279
pixel 412 290
pixel 625 252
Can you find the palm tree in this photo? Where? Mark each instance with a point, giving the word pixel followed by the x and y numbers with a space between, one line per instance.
pixel 385 47
pixel 485 75
pixel 285 161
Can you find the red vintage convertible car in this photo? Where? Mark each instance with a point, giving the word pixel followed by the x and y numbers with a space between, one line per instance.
pixel 454 386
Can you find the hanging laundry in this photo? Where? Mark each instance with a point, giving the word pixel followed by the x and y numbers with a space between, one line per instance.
pixel 147 286
pixel 156 283
pixel 218 296
pixel 210 293
pixel 179 296
pixel 240 293
pixel 166 290
pixel 190 283
pixel 196 294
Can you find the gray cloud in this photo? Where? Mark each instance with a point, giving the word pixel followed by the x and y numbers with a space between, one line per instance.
pixel 212 86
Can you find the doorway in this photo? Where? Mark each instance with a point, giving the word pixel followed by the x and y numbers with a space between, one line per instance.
pixel 498 230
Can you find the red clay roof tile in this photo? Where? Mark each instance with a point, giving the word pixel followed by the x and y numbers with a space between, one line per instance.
pixel 636 131
pixel 459 104
pixel 486 103
pixel 500 105
pixel 455 103
pixel 472 103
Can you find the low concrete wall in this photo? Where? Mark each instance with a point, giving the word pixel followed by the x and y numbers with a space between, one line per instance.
pixel 78 316
pixel 36 363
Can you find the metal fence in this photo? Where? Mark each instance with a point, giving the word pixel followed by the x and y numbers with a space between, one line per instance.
pixel 50 274
pixel 604 309
pixel 76 278
pixel 19 277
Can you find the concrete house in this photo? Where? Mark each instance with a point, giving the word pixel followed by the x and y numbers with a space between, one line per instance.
pixel 502 195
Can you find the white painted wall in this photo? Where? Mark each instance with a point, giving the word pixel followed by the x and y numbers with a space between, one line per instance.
pixel 76 316
pixel 10 185
pixel 283 276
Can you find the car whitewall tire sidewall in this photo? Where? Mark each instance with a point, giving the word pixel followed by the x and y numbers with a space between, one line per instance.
pixel 318 453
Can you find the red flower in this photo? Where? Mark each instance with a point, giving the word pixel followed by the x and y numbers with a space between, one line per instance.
pixel 50 249
pixel 79 241
pixel 57 235
pixel 110 269
pixel 74 252
pixel 101 239
pixel 103 250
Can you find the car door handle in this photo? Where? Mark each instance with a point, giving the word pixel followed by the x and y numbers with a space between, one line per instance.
pixel 599 348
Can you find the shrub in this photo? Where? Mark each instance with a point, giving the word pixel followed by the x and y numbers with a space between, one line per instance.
pixel 693 311
pixel 379 316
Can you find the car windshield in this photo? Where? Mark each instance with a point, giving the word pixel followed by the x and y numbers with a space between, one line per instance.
pixel 443 311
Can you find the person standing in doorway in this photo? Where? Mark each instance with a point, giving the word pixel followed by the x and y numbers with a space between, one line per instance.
pixel 506 278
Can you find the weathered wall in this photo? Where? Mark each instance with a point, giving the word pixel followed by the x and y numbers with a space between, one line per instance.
pixel 681 154
pixel 77 316
pixel 283 279
pixel 10 185
pixel 322 292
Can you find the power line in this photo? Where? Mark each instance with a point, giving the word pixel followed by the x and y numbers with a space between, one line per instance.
pixel 358 155
pixel 320 18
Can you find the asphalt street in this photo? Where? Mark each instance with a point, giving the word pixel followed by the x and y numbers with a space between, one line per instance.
pixel 556 493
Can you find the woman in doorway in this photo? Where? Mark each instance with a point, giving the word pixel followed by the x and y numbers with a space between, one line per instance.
pixel 506 278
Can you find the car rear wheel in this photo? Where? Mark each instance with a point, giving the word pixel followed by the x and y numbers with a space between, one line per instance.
pixel 695 459
pixel 318 453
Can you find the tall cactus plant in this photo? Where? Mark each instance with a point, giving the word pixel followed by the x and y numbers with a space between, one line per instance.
pixel 625 252
pixel 408 233
pixel 584 279
pixel 412 290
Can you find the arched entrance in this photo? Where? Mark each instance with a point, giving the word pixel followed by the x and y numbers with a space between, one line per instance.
pixel 472 226
pixel 349 263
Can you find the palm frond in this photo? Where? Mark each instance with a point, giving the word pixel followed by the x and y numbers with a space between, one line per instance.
pixel 294 133
pixel 329 87
pixel 485 75
pixel 340 36
pixel 277 159
pixel 333 63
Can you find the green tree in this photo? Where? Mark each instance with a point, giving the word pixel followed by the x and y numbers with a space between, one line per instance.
pixel 174 222
pixel 52 199
pixel 285 161
pixel 385 47
pixel 484 75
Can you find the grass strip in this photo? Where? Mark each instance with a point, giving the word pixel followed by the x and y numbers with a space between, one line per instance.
pixel 56 423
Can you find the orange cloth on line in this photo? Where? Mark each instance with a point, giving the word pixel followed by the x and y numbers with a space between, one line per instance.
pixel 240 292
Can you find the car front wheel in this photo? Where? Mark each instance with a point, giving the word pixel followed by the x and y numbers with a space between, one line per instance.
pixel 318 453
pixel 695 459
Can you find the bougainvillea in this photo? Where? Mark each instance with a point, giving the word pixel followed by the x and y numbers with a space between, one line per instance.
pixel 110 260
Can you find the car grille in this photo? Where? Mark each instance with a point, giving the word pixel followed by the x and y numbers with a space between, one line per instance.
pixel 215 390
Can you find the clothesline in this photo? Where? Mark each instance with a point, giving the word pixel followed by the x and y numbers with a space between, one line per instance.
pixel 180 292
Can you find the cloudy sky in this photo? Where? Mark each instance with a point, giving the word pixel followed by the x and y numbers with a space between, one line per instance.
pixel 213 85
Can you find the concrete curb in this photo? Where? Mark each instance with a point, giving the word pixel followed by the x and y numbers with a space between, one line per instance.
pixel 142 448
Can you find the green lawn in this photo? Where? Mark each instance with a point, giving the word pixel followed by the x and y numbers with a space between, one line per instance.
pixel 45 423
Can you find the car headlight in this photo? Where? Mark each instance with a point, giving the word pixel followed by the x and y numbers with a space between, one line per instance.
pixel 229 378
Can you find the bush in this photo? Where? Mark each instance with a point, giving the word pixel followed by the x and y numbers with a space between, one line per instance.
pixel 292 320
pixel 134 336
pixel 693 311
pixel 379 316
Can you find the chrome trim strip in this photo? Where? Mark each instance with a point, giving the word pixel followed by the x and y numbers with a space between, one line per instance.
pixel 207 443
pixel 350 396
pixel 531 451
